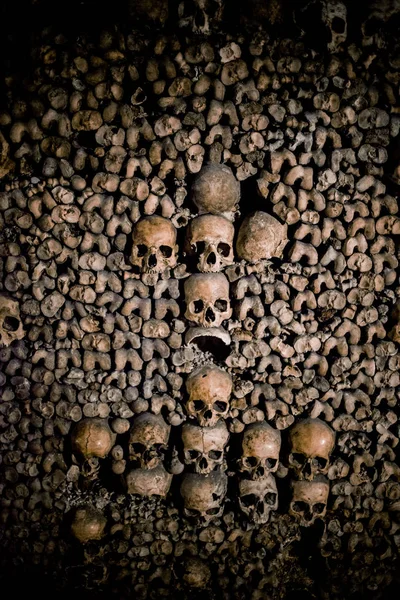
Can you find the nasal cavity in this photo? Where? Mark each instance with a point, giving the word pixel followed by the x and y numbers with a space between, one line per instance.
pixel 211 259
pixel 207 415
pixel 203 463
pixel 152 260
pixel 210 315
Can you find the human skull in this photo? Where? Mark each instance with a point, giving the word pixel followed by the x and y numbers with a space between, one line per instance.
pixel 87 524
pixel 261 446
pixel 210 237
pixel 149 482
pixel 261 236
pixel 334 17
pixel 309 500
pixel 203 447
pixel 10 321
pixel 154 245
pixel 203 495
pixel 207 299
pixel 148 440
pixel 195 572
pixel 209 389
pixel 311 443
pixel 91 440
pixel 257 499
pixel 216 190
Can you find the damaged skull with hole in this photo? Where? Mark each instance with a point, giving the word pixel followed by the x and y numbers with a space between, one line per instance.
pixel 261 446
pixel 148 440
pixel 154 246
pixel 203 495
pixel 210 238
pixel 10 321
pixel 207 299
pixel 311 444
pixel 209 391
pixel 91 441
pixel 204 447
pixel 334 17
pixel 257 499
pixel 309 500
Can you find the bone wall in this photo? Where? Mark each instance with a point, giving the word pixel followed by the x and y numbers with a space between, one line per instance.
pixel 199 306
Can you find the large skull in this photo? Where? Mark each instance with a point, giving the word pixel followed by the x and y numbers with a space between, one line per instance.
pixel 203 495
pixel 210 237
pixel 261 446
pixel 203 447
pixel 215 190
pixel 261 236
pixel 148 440
pixel 311 443
pixel 209 389
pixel 154 245
pixel 257 499
pixel 91 440
pixel 309 500
pixel 149 482
pixel 10 321
pixel 207 299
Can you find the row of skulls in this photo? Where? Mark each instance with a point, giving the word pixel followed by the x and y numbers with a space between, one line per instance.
pixel 204 442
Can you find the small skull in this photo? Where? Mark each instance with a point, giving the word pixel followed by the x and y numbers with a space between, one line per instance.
pixel 309 500
pixel 261 446
pixel 207 299
pixel 334 17
pixel 261 236
pixel 148 440
pixel 210 237
pixel 203 447
pixel 311 443
pixel 91 440
pixel 154 245
pixel 209 390
pixel 88 524
pixel 216 190
pixel 203 495
pixel 148 482
pixel 195 573
pixel 10 321
pixel 257 499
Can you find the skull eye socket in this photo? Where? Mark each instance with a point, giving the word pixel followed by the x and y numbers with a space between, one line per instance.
pixel 213 511
pixel 321 462
pixel 138 448
pixel 300 459
pixel 224 249
pixel 319 508
pixel 192 512
pixel 198 306
pixel 141 250
pixel 220 406
pixel 250 461
pixel 221 305
pixel 198 405
pixel 10 324
pixel 193 454
pixel 300 507
pixel 270 498
pixel 248 500
pixel 214 454
pixel 199 247
pixel 271 463
pixel 166 251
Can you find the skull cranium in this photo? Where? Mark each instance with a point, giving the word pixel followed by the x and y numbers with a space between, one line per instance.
pixel 209 390
pixel 148 440
pixel 149 482
pixel 91 440
pixel 260 450
pixel 215 190
pixel 10 321
pixel 309 500
pixel 261 236
pixel 210 237
pixel 257 499
pixel 154 245
pixel 207 299
pixel 203 495
pixel 203 447
pixel 311 443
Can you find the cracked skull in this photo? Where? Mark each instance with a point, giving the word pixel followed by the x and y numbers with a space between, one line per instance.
pixel 91 440
pixel 203 495
pixel 210 237
pixel 209 389
pixel 207 299
pixel 10 321
pixel 216 190
pixel 154 245
pixel 257 499
pixel 261 446
pixel 309 500
pixel 203 447
pixel 148 440
pixel 311 444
